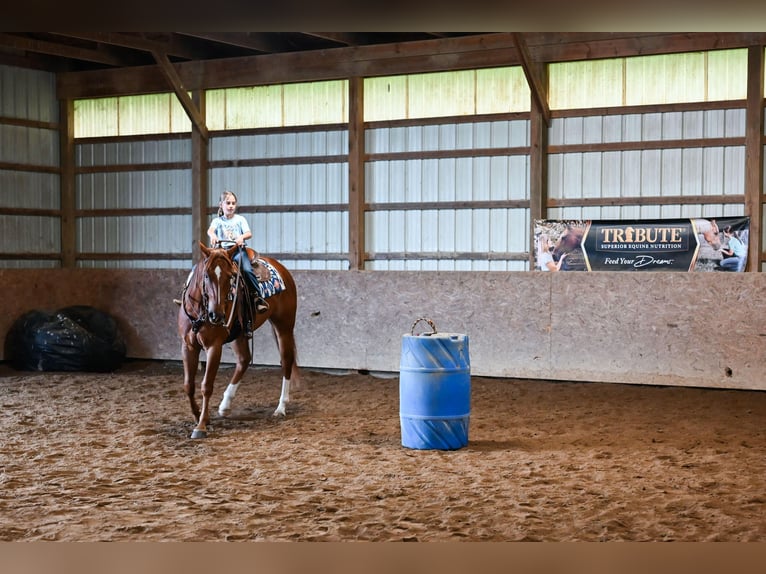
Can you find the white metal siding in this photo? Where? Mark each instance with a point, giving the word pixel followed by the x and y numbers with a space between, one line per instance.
pixel 29 95
pixel 139 189
pixel 310 183
pixel 29 145
pixel 679 171
pixel 448 179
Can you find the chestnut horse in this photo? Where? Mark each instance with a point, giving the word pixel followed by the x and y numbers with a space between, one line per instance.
pixel 569 240
pixel 213 312
pixel 569 243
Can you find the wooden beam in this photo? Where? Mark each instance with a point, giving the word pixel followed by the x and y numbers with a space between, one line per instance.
pixel 574 46
pixel 454 53
pixel 647 200
pixel 134 42
pixel 347 38
pixel 259 42
pixel 534 73
pixel 356 162
pixel 191 110
pixel 62 50
pixel 460 53
pixel 754 197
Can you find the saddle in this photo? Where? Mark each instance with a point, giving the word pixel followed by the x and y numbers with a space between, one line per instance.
pixel 260 271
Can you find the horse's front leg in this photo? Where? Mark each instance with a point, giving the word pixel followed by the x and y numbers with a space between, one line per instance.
pixel 211 370
pixel 190 357
pixel 242 352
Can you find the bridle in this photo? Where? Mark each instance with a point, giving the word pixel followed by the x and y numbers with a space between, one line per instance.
pixel 201 306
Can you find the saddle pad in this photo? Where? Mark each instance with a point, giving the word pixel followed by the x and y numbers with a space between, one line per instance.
pixel 274 284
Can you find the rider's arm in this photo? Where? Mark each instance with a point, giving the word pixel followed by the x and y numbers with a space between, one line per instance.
pixel 212 234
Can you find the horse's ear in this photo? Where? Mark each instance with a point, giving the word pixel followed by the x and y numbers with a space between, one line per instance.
pixel 204 248
pixel 231 251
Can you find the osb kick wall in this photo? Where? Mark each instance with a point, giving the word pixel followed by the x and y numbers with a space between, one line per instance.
pixel 686 329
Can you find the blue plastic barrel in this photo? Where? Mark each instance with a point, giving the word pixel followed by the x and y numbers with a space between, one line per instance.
pixel 435 391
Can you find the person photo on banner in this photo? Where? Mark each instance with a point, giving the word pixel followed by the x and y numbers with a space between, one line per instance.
pixel 709 239
pixel 734 251
pixel 545 260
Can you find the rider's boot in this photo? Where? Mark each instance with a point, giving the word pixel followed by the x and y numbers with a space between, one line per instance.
pixel 261 306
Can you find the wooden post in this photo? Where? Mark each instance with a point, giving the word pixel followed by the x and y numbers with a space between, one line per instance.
pixel 754 156
pixel 67 184
pixel 538 171
pixel 200 191
pixel 356 155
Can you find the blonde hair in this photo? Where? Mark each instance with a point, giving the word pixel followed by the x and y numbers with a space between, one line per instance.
pixel 223 197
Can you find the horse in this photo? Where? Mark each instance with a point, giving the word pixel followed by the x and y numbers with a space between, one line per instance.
pixel 569 243
pixel 569 240
pixel 213 313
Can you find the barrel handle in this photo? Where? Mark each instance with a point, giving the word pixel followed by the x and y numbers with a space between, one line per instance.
pixel 427 320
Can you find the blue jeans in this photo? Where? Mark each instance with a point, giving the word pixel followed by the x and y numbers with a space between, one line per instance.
pixel 733 263
pixel 241 259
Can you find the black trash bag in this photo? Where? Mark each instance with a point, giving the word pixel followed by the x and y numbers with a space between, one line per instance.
pixel 77 338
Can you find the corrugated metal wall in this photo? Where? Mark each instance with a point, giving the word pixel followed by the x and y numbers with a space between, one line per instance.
pixel 449 179
pixel 322 231
pixel 668 172
pixel 140 189
pixel 292 168
pixel 29 95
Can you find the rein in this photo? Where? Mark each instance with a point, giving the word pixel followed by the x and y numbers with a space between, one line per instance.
pixel 203 316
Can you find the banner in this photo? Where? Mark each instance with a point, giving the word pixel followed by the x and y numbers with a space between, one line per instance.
pixel 698 244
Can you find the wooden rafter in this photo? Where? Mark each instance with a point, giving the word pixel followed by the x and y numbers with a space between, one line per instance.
pixel 534 77
pixel 135 42
pixel 55 49
pixel 172 76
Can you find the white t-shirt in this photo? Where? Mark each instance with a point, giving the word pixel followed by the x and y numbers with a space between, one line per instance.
pixel 545 258
pixel 227 230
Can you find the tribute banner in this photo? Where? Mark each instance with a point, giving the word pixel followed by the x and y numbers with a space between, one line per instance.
pixel 642 245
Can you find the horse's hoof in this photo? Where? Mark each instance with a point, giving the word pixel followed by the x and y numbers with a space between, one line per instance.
pixel 196 433
pixel 224 412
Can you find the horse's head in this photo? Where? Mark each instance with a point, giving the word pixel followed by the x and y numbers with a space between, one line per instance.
pixel 218 282
pixel 568 241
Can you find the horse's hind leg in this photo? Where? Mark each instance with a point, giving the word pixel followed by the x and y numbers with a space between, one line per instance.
pixel 286 344
pixel 242 352
pixel 284 398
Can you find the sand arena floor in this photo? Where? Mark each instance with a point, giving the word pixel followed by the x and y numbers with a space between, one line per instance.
pixel 106 457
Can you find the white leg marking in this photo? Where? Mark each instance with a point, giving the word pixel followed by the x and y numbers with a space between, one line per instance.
pixel 284 398
pixel 228 396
